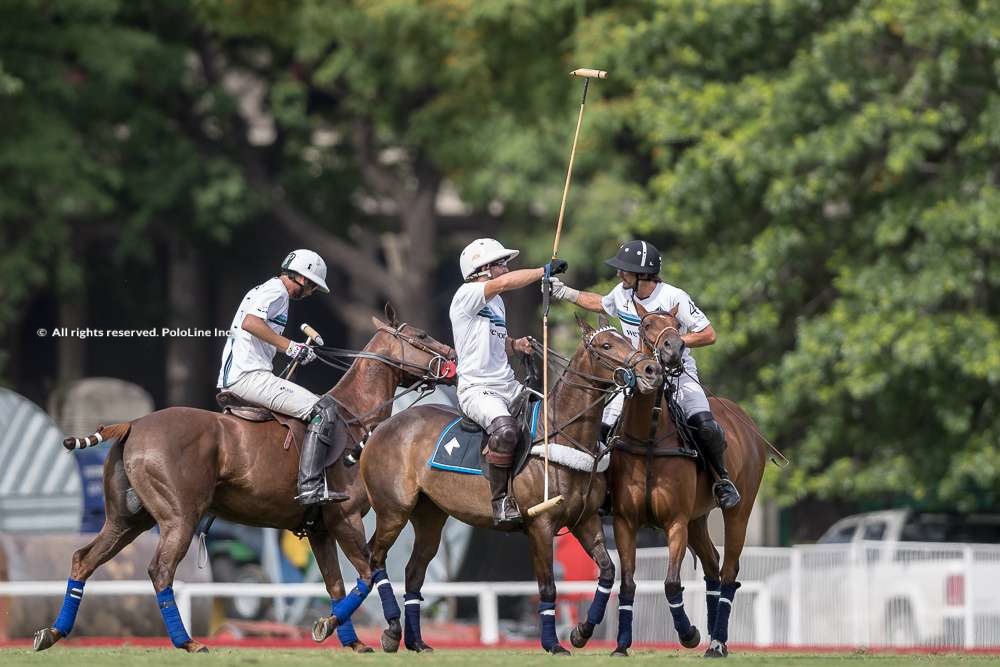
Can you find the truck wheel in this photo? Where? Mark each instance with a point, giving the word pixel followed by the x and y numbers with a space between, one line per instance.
pixel 900 628
pixel 248 608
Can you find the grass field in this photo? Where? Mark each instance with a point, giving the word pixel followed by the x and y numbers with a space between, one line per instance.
pixel 125 657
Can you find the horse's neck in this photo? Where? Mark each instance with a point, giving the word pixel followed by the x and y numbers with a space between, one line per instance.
pixel 637 415
pixel 367 389
pixel 573 395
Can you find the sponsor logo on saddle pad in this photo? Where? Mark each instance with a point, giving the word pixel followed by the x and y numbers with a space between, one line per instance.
pixel 458 450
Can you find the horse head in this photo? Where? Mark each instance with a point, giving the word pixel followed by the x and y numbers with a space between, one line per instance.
pixel 612 358
pixel 661 337
pixel 412 350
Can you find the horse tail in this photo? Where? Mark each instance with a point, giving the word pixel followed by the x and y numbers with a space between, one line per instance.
pixel 112 434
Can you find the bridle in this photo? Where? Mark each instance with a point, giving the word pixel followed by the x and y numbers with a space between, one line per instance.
pixel 676 368
pixel 438 368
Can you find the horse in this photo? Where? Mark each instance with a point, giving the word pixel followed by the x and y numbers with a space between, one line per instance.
pixel 412 491
pixel 186 462
pixel 655 479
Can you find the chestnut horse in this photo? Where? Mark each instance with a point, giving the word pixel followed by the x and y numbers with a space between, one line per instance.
pixel 655 480
pixel 185 462
pixel 410 490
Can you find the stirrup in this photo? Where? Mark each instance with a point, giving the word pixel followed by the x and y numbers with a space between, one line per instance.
pixel 508 516
pixel 726 493
pixel 321 496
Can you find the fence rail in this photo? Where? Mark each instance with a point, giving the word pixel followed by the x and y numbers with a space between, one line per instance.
pixel 856 595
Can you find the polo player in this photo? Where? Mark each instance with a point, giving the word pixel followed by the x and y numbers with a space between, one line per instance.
pixel 255 335
pixel 638 267
pixel 486 383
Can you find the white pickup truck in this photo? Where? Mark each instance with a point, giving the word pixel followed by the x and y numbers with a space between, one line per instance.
pixel 894 578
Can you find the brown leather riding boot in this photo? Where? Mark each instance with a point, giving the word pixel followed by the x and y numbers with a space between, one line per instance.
pixel 506 516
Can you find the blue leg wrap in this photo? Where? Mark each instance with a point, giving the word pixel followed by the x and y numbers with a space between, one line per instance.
pixel 624 622
pixel 71 605
pixel 721 630
pixel 172 617
pixel 712 601
pixel 597 608
pixel 411 624
pixel 547 612
pixel 345 630
pixel 347 606
pixel 390 608
pixel 681 622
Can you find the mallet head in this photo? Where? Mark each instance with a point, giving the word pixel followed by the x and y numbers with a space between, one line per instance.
pixel 589 73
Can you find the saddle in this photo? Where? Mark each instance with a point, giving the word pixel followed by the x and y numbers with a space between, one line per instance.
pixel 459 447
pixel 232 404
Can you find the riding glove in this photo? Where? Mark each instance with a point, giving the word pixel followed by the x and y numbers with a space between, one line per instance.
pixel 556 266
pixel 301 353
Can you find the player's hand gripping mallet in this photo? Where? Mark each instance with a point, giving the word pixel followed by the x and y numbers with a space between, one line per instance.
pixel 549 503
pixel 312 336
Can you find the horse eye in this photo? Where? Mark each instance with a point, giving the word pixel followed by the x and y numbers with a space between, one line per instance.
pixel 606 346
pixel 422 335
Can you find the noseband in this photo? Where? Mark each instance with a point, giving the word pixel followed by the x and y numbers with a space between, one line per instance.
pixel 438 368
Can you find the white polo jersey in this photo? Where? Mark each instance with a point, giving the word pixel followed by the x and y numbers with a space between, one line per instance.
pixel 618 303
pixel 480 332
pixel 244 351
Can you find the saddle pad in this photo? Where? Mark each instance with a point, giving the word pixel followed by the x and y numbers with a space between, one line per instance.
pixel 458 450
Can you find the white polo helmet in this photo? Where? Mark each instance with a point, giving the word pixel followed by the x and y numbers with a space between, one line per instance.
pixel 308 264
pixel 481 252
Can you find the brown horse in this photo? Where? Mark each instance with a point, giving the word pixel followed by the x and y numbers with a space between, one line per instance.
pixel 185 462
pixel 411 491
pixel 656 480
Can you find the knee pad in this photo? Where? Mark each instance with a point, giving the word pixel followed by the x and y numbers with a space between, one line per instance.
pixel 709 431
pixel 323 418
pixel 503 433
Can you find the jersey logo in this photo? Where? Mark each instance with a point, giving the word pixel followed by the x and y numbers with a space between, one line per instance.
pixel 494 319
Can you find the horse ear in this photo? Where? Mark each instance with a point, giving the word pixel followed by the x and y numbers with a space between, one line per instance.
pixel 582 323
pixel 379 324
pixel 603 322
pixel 390 314
pixel 673 311
pixel 639 309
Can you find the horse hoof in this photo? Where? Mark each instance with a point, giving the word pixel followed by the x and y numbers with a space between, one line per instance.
pixel 45 638
pixel 620 652
pixel 557 649
pixel 419 647
pixel 692 640
pixel 195 647
pixel 390 639
pixel 323 628
pixel 361 647
pixel 580 635
pixel 717 650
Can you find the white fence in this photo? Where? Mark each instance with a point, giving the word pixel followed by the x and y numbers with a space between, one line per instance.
pixel 859 595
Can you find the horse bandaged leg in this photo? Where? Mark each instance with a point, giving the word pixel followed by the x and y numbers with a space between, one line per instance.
pixel 547 616
pixel 712 588
pixel 70 607
pixel 720 633
pixel 345 630
pixel 595 615
pixel 411 628
pixel 172 617
pixel 624 622
pixel 346 607
pixel 390 608
pixel 686 632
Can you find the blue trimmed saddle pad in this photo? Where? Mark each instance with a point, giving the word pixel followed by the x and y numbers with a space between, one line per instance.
pixel 461 450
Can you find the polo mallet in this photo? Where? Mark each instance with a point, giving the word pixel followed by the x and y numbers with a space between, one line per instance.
pixel 312 336
pixel 549 503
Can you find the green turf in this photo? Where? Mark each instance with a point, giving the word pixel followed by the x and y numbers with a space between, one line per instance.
pixel 125 657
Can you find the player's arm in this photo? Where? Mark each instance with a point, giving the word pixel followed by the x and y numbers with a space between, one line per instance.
pixel 255 326
pixel 699 338
pixel 512 280
pixel 591 301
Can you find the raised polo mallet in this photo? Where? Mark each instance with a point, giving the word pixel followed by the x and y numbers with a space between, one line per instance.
pixel 312 337
pixel 549 503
